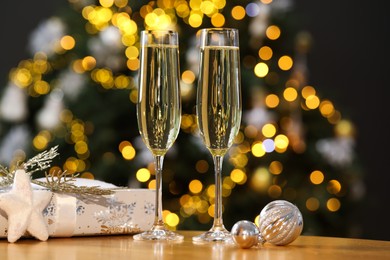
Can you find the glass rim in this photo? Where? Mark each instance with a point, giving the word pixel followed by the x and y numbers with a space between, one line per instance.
pixel 159 37
pixel 150 31
pixel 219 29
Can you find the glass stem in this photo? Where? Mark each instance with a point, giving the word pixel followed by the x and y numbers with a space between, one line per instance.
pixel 158 219
pixel 218 223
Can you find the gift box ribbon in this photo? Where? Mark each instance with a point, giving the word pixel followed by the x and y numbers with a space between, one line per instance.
pixel 66 215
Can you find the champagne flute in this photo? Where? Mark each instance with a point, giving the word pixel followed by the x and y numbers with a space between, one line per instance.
pixel 159 111
pixel 218 109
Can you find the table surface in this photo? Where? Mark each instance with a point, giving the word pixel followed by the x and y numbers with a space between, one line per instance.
pixel 124 247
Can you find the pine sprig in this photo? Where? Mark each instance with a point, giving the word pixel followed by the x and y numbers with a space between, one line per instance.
pixel 6 177
pixel 56 182
pixel 63 182
pixel 41 161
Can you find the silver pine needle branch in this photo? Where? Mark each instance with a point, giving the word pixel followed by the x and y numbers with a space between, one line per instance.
pixel 37 163
pixel 56 182
pixel 62 182
pixel 41 161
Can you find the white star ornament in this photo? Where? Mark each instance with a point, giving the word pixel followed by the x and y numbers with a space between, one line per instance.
pixel 24 208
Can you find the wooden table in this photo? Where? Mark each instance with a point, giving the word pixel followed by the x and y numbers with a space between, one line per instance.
pixel 124 247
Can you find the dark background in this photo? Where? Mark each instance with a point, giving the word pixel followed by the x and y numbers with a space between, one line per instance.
pixel 348 63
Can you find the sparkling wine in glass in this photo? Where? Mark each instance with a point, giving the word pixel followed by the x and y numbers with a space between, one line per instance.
pixel 218 109
pixel 159 111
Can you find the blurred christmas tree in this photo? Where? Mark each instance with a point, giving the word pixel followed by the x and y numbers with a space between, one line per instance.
pixel 78 90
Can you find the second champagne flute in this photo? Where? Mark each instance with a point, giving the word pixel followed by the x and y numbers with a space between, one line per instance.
pixel 159 111
pixel 218 109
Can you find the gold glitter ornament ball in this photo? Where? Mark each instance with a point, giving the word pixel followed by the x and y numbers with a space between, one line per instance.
pixel 280 222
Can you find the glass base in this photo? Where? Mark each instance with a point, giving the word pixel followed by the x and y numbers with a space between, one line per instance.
pixel 160 234
pixel 214 235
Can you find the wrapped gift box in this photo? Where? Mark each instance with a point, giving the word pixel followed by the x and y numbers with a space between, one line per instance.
pixel 126 211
